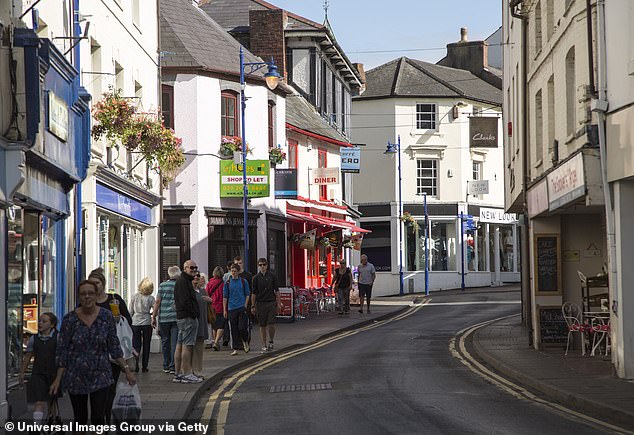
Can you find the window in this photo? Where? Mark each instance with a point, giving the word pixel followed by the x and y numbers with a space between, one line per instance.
pixel 538 27
pixel 425 116
pixel 168 106
pixel 95 67
pixel 292 154
pixel 551 116
pixel 477 170
pixel 427 177
pixel 229 114
pixel 322 161
pixel 539 128
pixel 571 104
pixel 119 77
pixel 136 13
pixel 271 124
pixel 377 245
pixel 550 18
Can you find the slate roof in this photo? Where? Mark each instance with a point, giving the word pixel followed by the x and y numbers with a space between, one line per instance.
pixel 405 77
pixel 233 15
pixel 301 114
pixel 190 38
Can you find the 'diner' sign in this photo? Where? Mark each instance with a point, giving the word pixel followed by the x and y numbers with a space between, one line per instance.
pixel 323 176
pixel 231 184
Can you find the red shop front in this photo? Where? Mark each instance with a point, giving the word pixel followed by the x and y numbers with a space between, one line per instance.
pixel 314 267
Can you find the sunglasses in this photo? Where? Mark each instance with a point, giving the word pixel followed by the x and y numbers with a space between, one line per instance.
pixel 198 275
pixel 193 267
pixel 262 264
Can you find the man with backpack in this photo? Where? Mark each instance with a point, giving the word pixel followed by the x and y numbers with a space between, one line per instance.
pixel 266 303
pixel 235 297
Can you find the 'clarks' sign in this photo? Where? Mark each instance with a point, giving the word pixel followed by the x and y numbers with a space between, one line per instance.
pixel 483 132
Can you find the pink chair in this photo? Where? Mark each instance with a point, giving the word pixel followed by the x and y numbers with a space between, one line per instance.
pixel 573 317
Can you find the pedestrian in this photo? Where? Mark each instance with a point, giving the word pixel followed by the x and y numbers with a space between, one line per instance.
pixel 87 340
pixel 187 321
pixel 202 300
pixel 117 306
pixel 266 303
pixel 140 308
pixel 235 297
pixel 227 274
pixel 243 273
pixel 367 275
pixel 165 311
pixel 342 285
pixel 42 348
pixel 214 291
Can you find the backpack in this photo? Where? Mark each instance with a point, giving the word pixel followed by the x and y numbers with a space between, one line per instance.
pixel 242 281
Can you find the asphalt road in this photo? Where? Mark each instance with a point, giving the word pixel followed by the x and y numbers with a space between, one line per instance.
pixel 399 378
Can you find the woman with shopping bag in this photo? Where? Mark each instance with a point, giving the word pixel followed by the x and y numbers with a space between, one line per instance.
pixel 117 306
pixel 87 340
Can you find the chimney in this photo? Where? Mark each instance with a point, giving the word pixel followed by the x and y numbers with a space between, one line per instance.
pixel 361 70
pixel 463 34
pixel 267 36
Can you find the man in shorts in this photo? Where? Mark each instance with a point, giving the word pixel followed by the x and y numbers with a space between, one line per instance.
pixel 367 275
pixel 187 322
pixel 266 303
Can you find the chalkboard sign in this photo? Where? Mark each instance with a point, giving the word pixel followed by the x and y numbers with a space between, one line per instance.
pixel 547 263
pixel 552 326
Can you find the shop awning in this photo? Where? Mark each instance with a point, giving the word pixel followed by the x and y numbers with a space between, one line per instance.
pixel 322 220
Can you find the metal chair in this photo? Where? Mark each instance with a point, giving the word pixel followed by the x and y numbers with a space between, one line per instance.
pixel 573 316
pixel 601 331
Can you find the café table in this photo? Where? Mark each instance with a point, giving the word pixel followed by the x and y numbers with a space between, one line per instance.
pixel 599 322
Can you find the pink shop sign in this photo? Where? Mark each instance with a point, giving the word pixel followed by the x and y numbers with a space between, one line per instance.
pixel 566 183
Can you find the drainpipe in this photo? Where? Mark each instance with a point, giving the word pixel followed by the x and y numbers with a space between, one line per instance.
pixel 76 32
pixel 600 106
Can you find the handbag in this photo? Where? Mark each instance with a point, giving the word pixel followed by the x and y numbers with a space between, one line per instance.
pixel 211 314
pixel 53 420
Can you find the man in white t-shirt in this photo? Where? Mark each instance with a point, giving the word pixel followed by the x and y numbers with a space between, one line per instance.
pixel 367 275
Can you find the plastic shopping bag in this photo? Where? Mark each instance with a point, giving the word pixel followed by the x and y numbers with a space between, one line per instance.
pixel 127 404
pixel 124 332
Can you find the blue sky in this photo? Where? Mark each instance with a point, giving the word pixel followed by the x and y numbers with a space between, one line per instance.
pixel 367 25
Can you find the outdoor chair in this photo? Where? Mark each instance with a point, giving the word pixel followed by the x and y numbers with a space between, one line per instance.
pixel 601 331
pixel 573 317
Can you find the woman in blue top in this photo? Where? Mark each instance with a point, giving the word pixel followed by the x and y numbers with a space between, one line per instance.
pixel 235 298
pixel 88 337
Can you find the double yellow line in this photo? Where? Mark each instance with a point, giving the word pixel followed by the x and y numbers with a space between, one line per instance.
pixel 458 349
pixel 221 397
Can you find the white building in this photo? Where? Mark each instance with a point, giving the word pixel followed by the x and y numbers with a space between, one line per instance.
pixel 201 99
pixel 430 107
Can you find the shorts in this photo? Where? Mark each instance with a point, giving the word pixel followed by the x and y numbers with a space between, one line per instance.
pixel 38 386
pixel 365 290
pixel 187 331
pixel 220 322
pixel 266 312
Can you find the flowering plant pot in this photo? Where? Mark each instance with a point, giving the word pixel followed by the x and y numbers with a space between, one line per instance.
pixel 409 221
pixel 230 145
pixel 276 155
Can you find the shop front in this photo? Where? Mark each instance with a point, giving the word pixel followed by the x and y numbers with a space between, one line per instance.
pixel 226 236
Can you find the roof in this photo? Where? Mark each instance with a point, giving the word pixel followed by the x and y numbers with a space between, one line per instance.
pixel 302 115
pixel 405 77
pixel 190 38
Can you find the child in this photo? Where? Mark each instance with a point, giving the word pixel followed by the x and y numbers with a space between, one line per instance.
pixel 43 347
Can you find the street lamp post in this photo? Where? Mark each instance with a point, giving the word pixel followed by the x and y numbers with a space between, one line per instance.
pixel 396 149
pixel 426 244
pixel 272 79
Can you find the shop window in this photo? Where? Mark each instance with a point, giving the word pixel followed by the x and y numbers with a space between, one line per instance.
pixel 474 249
pixel 229 113
pixel 442 245
pixel 377 245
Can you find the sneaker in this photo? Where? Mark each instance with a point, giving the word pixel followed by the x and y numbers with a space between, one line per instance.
pixel 177 379
pixel 235 352
pixel 209 346
pixel 202 378
pixel 361 311
pixel 270 346
pixel 166 370
pixel 264 349
pixel 340 312
pixel 214 347
pixel 191 379
pixel 172 372
pixel 246 347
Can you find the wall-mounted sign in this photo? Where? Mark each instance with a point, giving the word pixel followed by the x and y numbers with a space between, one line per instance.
pixel 231 183
pixel 351 159
pixel 478 187
pixel 322 176
pixel 483 132
pixel 286 184
pixel 123 205
pixel 496 216
pixel 538 198
pixel 547 264
pixel 566 183
pixel 57 116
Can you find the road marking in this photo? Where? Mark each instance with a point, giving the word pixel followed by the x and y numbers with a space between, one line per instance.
pixel 222 395
pixel 461 353
pixel 478 303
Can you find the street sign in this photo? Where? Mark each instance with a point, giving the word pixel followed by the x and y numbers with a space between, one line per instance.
pixel 467 223
pixel 478 187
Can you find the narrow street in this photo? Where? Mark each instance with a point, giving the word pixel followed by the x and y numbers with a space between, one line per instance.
pixel 398 378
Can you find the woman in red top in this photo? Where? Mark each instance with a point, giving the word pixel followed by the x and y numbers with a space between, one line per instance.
pixel 214 290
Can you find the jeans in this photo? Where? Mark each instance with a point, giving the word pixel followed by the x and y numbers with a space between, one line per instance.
pixel 142 333
pixel 343 297
pixel 111 391
pixel 98 399
pixel 239 327
pixel 169 335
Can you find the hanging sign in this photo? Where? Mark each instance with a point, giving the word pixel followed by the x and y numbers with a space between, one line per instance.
pixel 307 240
pixel 357 240
pixel 257 179
pixel 483 132
pixel 496 216
pixel 286 184
pixel 350 159
pixel 324 176
pixel 478 187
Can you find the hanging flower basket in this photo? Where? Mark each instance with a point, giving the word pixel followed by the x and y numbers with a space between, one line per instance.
pixel 120 123
pixel 276 155
pixel 409 221
pixel 230 145
pixel 325 241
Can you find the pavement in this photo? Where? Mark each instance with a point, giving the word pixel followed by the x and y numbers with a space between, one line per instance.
pixel 582 383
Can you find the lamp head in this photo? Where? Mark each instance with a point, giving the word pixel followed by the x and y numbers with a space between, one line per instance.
pixel 390 149
pixel 272 77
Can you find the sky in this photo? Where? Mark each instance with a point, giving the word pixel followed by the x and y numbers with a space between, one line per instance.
pixel 419 29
